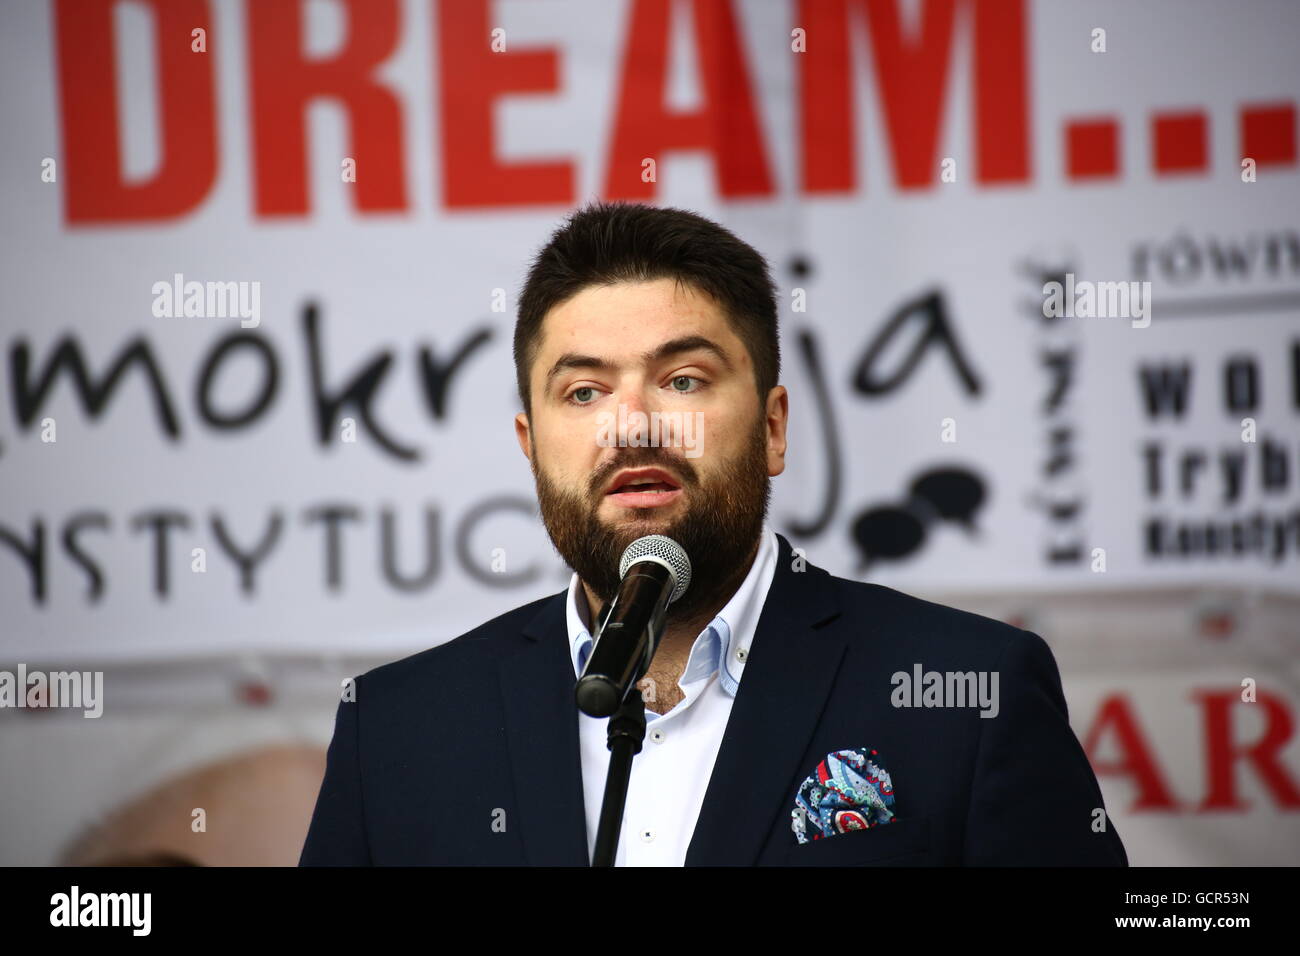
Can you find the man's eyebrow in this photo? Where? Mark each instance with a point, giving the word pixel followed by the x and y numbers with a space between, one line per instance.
pixel 686 343
pixel 573 360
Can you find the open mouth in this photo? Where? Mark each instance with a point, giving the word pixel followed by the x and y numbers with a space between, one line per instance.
pixel 643 487
pixel 649 487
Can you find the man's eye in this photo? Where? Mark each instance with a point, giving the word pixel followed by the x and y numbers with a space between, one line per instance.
pixel 583 395
pixel 677 383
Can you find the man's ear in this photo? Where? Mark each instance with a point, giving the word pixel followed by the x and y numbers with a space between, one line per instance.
pixel 777 415
pixel 524 433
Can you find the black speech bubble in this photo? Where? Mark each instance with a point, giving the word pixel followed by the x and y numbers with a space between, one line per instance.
pixel 887 533
pixel 954 493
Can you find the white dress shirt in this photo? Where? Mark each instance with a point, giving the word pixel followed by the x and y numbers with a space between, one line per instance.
pixel 671 773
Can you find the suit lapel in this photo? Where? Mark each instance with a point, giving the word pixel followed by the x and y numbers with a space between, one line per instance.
pixel 542 737
pixel 787 679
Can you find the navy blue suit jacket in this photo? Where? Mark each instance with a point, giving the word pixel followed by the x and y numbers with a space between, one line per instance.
pixel 483 729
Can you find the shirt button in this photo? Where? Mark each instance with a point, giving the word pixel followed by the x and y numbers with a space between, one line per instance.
pixel 647 836
pixel 658 736
pixel 741 654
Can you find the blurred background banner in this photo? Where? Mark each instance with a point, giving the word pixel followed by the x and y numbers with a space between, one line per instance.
pixel 1039 268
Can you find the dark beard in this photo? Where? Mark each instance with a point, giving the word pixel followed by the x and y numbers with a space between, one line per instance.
pixel 719 530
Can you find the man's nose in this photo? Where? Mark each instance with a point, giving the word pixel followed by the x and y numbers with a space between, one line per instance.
pixel 639 396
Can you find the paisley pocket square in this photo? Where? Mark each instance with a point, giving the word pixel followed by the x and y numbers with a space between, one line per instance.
pixel 849 790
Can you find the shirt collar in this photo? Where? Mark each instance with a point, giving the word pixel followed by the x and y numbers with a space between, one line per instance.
pixel 721 647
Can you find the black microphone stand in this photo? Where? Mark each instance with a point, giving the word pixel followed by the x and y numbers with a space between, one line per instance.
pixel 627 634
pixel 626 735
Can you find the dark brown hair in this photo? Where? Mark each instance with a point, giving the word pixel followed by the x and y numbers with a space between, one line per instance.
pixel 603 243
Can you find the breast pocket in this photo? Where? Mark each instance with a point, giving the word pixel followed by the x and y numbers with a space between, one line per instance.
pixel 900 843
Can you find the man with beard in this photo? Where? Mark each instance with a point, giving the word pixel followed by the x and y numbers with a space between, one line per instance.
pixel 776 723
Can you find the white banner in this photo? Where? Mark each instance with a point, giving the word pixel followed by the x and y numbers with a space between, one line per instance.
pixel 262 260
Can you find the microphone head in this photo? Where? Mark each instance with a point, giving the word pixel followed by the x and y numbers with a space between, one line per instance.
pixel 662 550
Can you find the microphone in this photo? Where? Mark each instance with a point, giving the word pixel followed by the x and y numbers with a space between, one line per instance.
pixel 655 571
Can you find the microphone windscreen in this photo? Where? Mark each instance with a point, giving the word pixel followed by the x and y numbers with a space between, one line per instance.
pixel 665 551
